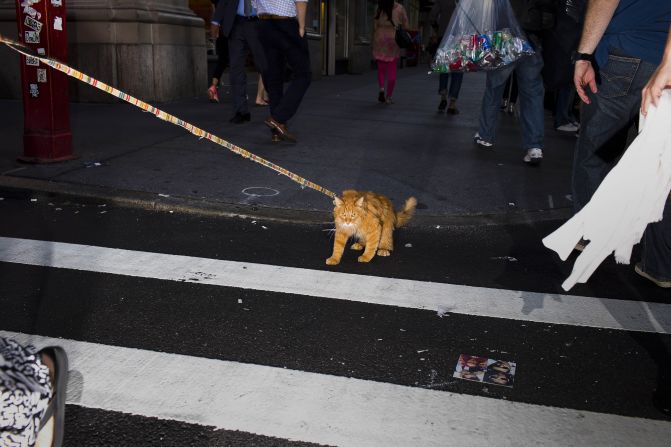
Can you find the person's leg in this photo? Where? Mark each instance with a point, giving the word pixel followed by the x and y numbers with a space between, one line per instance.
pixel 297 54
pixel 455 88
pixel 531 93
pixel 259 56
pixel 656 251
pixel 261 98
pixel 221 47
pixel 514 88
pixel 275 62
pixel 443 80
pixel 491 101
pixel 24 407
pixel 611 110
pixel 391 79
pixel 237 47
pixel 381 76
pixel 563 116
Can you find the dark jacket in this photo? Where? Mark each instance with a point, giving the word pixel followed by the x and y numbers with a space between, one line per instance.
pixel 224 15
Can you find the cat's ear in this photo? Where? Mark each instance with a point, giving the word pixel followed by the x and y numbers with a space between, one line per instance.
pixel 337 201
pixel 359 202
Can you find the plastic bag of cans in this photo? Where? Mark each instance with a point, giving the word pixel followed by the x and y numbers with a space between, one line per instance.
pixel 481 35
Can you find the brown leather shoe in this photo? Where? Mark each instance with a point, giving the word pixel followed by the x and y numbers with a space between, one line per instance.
pixel 280 129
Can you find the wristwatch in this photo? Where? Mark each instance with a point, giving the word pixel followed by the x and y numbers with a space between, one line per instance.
pixel 581 57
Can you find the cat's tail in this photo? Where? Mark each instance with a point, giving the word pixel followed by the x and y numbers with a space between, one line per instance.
pixel 403 216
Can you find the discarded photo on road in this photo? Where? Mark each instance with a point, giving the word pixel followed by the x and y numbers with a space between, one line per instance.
pixel 485 370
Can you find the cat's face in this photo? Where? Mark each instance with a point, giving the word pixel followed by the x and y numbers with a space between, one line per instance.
pixel 348 213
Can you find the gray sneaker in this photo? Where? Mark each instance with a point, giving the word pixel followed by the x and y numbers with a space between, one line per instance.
pixel 481 142
pixel 658 282
pixel 534 156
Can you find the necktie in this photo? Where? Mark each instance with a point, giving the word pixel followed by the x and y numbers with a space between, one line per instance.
pixel 248 8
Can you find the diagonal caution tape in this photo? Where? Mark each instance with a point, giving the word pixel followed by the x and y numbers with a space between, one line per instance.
pixel 158 113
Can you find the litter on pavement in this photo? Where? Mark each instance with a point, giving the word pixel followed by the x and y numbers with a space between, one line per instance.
pixel 485 370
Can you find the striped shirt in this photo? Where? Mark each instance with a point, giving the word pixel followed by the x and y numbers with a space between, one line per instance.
pixel 285 8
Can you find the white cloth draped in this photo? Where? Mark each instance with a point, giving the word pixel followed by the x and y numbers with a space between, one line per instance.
pixel 632 195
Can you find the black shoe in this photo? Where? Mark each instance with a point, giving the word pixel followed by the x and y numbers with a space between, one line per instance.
pixel 442 105
pixel 381 97
pixel 240 118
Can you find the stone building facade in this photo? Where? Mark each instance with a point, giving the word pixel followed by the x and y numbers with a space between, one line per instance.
pixel 158 49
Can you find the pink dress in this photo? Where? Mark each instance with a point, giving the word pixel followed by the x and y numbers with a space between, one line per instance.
pixel 384 42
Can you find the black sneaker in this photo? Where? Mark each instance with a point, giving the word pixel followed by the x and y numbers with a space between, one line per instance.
pixel 443 105
pixel 240 118
pixel 381 97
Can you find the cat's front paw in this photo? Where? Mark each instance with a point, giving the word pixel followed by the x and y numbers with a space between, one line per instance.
pixel 356 246
pixel 382 252
pixel 332 261
pixel 363 258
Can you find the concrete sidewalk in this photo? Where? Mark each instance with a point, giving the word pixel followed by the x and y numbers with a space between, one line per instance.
pixel 346 140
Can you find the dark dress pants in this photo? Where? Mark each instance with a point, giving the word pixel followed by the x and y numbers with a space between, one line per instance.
pixel 283 44
pixel 244 38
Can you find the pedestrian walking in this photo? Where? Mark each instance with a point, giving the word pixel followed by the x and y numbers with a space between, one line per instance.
pixel 529 82
pixel 614 61
pixel 221 48
pixel 239 22
pixel 611 67
pixel 622 44
pixel 32 395
pixel 559 43
pixel 282 34
pixel 440 16
pixel 386 52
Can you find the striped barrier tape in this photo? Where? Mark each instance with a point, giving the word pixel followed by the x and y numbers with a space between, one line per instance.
pixel 158 113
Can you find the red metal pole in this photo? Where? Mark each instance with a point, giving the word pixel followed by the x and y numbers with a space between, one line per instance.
pixel 46 105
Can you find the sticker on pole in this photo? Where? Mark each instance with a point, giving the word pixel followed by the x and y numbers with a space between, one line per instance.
pixel 484 370
pixel 57 3
pixel 32 23
pixel 32 37
pixel 42 75
pixel 58 24
pixel 34 91
pixel 32 12
pixel 32 61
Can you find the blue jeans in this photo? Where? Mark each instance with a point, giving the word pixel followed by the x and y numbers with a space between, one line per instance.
pixel 531 95
pixel 605 121
pixel 455 85
pixel 656 247
pixel 564 106
pixel 604 126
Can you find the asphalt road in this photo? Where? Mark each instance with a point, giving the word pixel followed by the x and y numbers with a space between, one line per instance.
pixel 612 371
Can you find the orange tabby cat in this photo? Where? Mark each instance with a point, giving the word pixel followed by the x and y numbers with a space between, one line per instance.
pixel 370 218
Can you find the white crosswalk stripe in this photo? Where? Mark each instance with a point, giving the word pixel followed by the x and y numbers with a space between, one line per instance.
pixel 325 409
pixel 321 408
pixel 480 301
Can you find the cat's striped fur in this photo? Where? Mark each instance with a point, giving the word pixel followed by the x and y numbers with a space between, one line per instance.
pixel 370 218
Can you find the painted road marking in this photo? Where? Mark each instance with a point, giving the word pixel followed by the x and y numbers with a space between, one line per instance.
pixel 324 409
pixel 439 297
